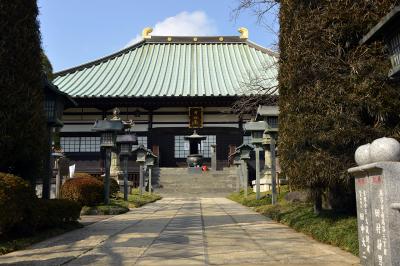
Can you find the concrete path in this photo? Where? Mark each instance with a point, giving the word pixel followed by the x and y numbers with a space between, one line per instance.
pixel 183 231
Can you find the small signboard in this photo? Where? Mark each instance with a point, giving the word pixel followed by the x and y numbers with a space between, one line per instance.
pixel 195 117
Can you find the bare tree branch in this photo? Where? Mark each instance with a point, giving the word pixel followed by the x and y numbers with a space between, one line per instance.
pixel 259 89
pixel 259 7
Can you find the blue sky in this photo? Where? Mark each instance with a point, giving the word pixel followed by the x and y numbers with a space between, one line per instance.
pixel 77 31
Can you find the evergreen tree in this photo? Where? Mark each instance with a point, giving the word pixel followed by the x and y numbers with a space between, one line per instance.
pixel 22 122
pixel 334 93
pixel 46 66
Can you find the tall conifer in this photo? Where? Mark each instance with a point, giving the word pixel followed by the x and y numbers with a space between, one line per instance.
pixel 22 121
pixel 334 94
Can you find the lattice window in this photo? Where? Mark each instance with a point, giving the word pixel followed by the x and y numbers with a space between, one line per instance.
pixel 90 144
pixel 181 147
pixel 206 145
pixel 80 144
pixel 141 140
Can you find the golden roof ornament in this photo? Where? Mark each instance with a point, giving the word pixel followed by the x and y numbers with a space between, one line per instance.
pixel 146 33
pixel 244 33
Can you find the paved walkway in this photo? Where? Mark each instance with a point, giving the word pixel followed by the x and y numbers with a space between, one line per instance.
pixel 178 231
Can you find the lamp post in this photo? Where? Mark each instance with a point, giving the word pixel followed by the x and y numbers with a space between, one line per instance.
pixel 54 102
pixel 108 130
pixel 272 132
pixel 244 152
pixel 238 162
pixel 150 161
pixel 141 153
pixel 124 143
pixel 257 129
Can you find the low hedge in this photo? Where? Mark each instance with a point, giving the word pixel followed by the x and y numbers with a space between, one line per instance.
pixel 23 213
pixel 17 202
pixel 55 212
pixel 87 191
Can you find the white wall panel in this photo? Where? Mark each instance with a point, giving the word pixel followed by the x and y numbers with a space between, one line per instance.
pixel 221 118
pixel 222 125
pixel 171 118
pixel 77 128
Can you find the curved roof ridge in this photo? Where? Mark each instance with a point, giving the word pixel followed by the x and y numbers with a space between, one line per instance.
pixel 173 39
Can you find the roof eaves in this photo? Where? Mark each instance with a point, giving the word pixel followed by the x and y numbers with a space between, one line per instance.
pixel 97 61
pixel 262 49
pixel 385 23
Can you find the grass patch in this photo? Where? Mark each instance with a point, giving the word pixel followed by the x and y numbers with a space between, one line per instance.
pixel 111 209
pixel 329 227
pixel 8 245
pixel 119 206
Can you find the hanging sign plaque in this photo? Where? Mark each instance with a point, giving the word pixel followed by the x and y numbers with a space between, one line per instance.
pixel 195 117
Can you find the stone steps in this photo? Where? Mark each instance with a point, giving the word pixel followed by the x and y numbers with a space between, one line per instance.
pixel 179 182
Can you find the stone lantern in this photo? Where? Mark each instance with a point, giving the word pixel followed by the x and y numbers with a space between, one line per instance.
pixel 57 155
pixel 150 162
pixel 124 143
pixel 244 153
pixel 257 131
pixel 271 137
pixel 238 162
pixel 108 132
pixel 141 153
pixel 256 128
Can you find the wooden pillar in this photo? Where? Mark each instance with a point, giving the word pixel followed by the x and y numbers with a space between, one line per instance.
pixel 150 129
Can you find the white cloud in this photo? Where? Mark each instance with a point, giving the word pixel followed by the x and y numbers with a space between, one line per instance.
pixel 183 24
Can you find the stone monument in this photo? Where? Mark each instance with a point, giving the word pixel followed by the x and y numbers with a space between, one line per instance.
pixel 214 157
pixel 377 183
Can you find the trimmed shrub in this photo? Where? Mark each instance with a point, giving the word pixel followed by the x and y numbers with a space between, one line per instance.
pixel 56 212
pixel 84 190
pixel 17 202
pixel 76 175
pixel 114 187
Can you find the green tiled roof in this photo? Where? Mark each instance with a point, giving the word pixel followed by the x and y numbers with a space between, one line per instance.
pixel 181 66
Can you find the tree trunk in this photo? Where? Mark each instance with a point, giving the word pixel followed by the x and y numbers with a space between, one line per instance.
pixel 318 201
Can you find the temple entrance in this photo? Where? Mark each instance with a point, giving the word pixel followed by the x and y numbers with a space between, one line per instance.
pixel 174 149
pixel 165 141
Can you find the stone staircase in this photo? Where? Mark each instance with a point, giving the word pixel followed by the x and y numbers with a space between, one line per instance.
pixel 178 182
